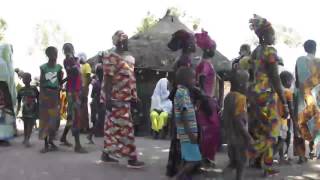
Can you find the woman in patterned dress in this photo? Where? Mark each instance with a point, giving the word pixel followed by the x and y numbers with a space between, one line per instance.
pixel 265 86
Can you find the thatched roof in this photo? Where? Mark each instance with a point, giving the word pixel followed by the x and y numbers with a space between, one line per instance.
pixel 150 47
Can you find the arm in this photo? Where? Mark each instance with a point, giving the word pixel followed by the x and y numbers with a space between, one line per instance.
pixel 221 91
pixel 19 102
pixel 42 78
pixel 242 129
pixel 60 78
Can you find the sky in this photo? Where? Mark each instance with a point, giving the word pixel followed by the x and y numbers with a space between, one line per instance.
pixel 91 23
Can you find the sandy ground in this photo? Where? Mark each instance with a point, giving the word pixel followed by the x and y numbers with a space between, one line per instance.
pixel 20 163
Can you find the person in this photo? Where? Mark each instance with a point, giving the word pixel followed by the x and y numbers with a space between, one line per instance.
pixel 74 86
pixel 119 91
pixel 8 95
pixel 285 123
pixel 186 123
pixel 266 84
pixel 208 122
pixel 86 78
pixel 235 123
pixel 97 108
pixel 161 106
pixel 184 41
pixel 306 93
pixel 29 95
pixel 49 99
pixel 244 57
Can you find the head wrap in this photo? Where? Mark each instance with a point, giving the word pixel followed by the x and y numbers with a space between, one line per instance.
pixel 159 99
pixel 119 36
pixel 181 39
pixel 204 41
pixel 259 25
pixel 82 56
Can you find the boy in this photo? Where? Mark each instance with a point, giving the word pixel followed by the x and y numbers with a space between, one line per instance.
pixel 29 95
pixel 285 123
pixel 235 122
pixel 186 123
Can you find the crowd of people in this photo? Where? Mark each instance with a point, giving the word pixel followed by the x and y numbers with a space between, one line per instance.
pixel 258 118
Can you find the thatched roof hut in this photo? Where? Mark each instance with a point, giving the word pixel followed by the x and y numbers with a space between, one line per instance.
pixel 154 60
pixel 150 47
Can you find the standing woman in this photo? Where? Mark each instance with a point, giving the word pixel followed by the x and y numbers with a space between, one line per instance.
pixel 184 41
pixel 8 95
pixel 208 121
pixel 118 92
pixel 266 85
pixel 49 100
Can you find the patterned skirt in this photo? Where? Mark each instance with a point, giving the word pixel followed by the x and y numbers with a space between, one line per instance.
pixel 119 132
pixel 49 108
pixel 74 112
pixel 7 117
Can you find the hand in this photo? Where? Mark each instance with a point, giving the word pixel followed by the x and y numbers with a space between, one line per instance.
pixel 193 138
pixel 286 112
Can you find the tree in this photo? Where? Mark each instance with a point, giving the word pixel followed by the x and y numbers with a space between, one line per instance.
pixel 284 35
pixel 147 22
pixel 48 33
pixel 3 28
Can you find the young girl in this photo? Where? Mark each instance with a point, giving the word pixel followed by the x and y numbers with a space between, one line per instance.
pixel 50 81
pixel 186 123
pixel 29 95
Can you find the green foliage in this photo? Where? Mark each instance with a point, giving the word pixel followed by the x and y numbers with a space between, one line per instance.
pixel 49 33
pixel 3 28
pixel 148 22
pixel 288 36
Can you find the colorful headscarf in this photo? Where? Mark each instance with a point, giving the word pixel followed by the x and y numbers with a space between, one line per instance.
pixel 204 41
pixel 260 25
pixel 119 36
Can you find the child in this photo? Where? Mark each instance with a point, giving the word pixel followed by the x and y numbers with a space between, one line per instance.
pixel 236 122
pixel 29 95
pixel 186 123
pixel 285 124
pixel 97 112
pixel 49 100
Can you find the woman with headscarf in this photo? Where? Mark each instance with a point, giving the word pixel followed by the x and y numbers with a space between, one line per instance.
pixel 8 95
pixel 265 86
pixel 118 92
pixel 184 41
pixel 207 117
pixel 161 106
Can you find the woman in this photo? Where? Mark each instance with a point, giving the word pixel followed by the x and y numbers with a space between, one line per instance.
pixel 307 102
pixel 161 106
pixel 118 92
pixel 208 122
pixel 49 101
pixel 8 95
pixel 266 85
pixel 184 41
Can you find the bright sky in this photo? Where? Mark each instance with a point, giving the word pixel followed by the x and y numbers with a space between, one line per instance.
pixel 91 23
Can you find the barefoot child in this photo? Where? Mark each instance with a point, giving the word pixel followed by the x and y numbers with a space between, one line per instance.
pixel 29 95
pixel 285 123
pixel 186 123
pixel 235 122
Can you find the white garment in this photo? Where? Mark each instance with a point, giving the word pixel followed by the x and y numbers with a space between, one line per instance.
pixel 159 99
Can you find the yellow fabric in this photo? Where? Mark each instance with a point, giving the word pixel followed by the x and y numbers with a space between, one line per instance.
pixel 245 63
pixel 158 121
pixel 241 104
pixel 85 70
